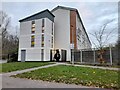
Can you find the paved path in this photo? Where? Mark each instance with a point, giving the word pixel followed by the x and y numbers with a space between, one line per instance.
pixel 100 67
pixel 30 69
pixel 11 82
pixel 3 61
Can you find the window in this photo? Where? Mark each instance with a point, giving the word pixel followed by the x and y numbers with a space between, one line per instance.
pixel 42 40
pixel 33 30
pixel 52 28
pixel 33 22
pixel 42 29
pixel 43 22
pixel 52 43
pixel 33 27
pixel 42 54
pixel 32 41
pixel 83 39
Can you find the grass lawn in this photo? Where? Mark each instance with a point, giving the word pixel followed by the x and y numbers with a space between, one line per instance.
pixel 76 75
pixel 8 67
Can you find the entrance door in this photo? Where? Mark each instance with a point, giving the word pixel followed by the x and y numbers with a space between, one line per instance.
pixel 50 55
pixel 63 54
pixel 23 55
pixel 42 54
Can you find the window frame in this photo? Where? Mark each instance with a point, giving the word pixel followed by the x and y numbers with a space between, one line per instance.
pixel 33 27
pixel 42 40
pixel 33 41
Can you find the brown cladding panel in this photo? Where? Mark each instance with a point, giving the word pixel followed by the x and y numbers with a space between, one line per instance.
pixel 73 27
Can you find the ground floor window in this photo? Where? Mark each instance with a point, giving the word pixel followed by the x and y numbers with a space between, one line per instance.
pixel 42 54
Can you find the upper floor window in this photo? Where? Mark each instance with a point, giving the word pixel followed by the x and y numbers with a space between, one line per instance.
pixel 42 40
pixel 52 28
pixel 32 40
pixel 43 22
pixel 42 29
pixel 33 27
pixel 52 42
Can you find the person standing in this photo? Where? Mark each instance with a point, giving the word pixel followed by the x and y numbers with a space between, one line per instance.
pixel 57 55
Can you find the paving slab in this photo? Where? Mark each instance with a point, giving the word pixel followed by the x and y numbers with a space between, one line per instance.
pixel 10 82
pixel 30 69
pixel 99 67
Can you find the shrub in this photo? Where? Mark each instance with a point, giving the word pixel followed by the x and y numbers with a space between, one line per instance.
pixel 13 57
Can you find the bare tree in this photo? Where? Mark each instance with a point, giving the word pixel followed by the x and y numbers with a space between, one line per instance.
pixel 5 23
pixel 9 41
pixel 4 26
pixel 102 36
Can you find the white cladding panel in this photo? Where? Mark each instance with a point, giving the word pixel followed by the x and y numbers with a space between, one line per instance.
pixel 38 30
pixel 48 33
pixel 25 33
pixel 62 30
pixel 25 28
pixel 25 41
pixel 33 54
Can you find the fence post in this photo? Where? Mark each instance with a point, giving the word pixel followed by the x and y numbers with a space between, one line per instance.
pixel 94 55
pixel 110 54
pixel 81 56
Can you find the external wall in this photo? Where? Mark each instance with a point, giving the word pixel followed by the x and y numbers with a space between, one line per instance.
pixel 82 39
pixel 62 30
pixel 48 38
pixel 79 30
pixel 68 27
pixel 73 33
pixel 25 37
pixel 34 53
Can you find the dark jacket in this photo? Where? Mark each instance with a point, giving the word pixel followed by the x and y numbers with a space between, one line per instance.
pixel 57 56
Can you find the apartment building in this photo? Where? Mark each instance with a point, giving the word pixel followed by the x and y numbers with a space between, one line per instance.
pixel 36 37
pixel 43 33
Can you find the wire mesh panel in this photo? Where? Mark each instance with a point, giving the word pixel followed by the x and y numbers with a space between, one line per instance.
pixel 106 55
pixel 87 56
pixel 115 55
pixel 93 56
pixel 77 55
pixel 96 57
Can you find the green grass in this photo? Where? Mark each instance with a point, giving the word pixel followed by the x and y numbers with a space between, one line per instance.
pixel 14 66
pixel 76 75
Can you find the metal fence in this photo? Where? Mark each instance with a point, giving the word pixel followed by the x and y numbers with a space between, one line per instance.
pixel 91 56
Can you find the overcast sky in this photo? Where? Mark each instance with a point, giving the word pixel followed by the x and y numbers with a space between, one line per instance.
pixel 93 14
